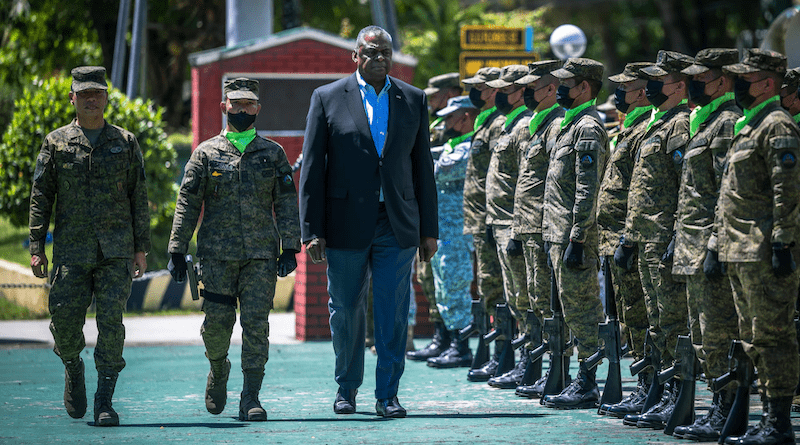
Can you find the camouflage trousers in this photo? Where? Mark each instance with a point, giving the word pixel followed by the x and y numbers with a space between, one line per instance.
pixel 74 285
pixel 579 292
pixel 632 313
pixel 489 276
pixel 765 305
pixel 425 279
pixel 452 277
pixel 515 286
pixel 537 274
pixel 252 284
pixel 712 315
pixel 665 300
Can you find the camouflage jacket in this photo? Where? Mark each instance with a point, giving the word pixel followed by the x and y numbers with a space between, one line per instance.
pixel 701 177
pixel 759 199
pixel 612 201
pixel 529 194
pixel 475 179
pixel 653 194
pixel 99 192
pixel 501 179
pixel 240 191
pixel 573 180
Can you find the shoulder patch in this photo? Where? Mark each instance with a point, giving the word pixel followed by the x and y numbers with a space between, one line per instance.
pixel 788 160
pixel 587 160
pixel 677 141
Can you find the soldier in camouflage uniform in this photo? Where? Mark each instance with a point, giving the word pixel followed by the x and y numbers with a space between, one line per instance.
pixel 612 208
pixel 755 229
pixel 526 228
pixel 239 179
pixel 452 263
pixel 488 126
pixel 440 90
pixel 94 174
pixel 501 181
pixel 650 222
pixel 569 224
pixel 712 314
pixel 790 96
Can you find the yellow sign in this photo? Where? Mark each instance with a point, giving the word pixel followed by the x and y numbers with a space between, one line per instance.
pixel 492 37
pixel 469 62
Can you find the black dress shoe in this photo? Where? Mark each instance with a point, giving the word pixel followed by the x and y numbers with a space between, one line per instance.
pixel 345 402
pixel 389 408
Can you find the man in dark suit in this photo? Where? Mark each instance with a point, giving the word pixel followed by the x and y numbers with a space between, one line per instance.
pixel 367 202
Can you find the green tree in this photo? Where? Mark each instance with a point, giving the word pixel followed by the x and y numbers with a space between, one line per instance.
pixel 44 107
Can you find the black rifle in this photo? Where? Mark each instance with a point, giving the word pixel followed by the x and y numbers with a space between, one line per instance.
pixel 686 368
pixel 479 325
pixel 651 360
pixel 609 333
pixel 533 371
pixel 740 369
pixel 504 329
pixel 556 331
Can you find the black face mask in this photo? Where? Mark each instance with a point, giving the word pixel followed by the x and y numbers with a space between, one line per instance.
pixel 562 96
pixel 501 101
pixel 475 98
pixel 450 133
pixel 697 93
pixel 619 101
pixel 529 96
pixel 741 89
pixel 654 94
pixel 241 121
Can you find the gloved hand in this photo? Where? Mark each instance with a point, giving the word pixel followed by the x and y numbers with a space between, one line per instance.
pixel 177 267
pixel 713 269
pixel 670 253
pixel 490 237
pixel 623 257
pixel 287 262
pixel 514 247
pixel 573 256
pixel 782 261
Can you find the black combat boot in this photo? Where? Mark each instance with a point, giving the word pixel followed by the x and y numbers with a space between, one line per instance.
pixel 656 392
pixel 74 388
pixel 709 427
pixel 535 390
pixel 486 371
pixel 439 343
pixel 217 385
pixel 249 406
pixel 631 404
pixel 104 414
pixel 774 428
pixel 533 372
pixel 582 393
pixel 512 378
pixel 657 417
pixel 458 355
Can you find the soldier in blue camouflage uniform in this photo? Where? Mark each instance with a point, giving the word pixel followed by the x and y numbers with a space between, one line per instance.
pixel 569 223
pixel 94 174
pixel 755 233
pixel 452 263
pixel 239 179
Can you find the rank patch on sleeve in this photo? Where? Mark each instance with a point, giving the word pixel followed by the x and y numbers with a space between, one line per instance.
pixel 788 160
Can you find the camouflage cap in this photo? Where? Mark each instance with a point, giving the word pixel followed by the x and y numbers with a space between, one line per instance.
pixel 710 58
pixel 631 72
pixel 241 88
pixel 455 103
pixel 442 82
pixel 791 79
pixel 668 62
pixel 580 67
pixel 538 69
pixel 485 74
pixel 756 59
pixel 88 78
pixel 508 75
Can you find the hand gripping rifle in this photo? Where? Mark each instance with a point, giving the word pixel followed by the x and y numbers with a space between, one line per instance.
pixel 740 370
pixel 686 368
pixel 651 360
pixel 479 325
pixel 609 333
pixel 504 330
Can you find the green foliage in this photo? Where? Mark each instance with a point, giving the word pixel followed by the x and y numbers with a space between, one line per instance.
pixel 12 311
pixel 44 107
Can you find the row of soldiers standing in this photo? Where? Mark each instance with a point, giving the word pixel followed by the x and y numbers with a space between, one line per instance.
pixel 693 212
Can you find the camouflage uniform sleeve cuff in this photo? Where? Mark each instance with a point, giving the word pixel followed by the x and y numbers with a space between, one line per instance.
pixel 37 247
pixel 712 243
pixel 577 235
pixel 293 244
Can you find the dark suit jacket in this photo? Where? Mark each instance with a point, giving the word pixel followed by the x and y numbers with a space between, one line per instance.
pixel 342 174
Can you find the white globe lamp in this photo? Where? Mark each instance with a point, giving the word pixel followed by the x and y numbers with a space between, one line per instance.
pixel 568 41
